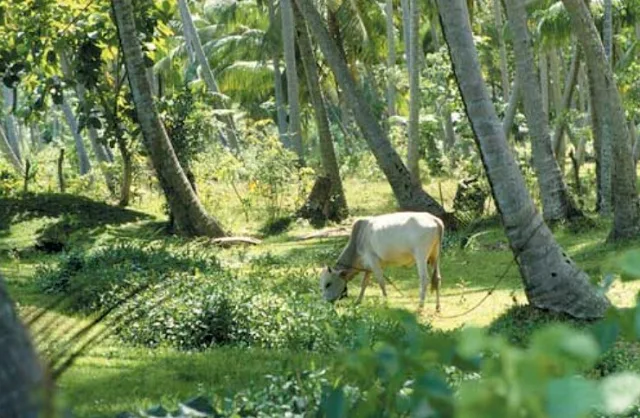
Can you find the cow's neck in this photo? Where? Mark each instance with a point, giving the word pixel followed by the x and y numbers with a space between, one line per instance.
pixel 349 259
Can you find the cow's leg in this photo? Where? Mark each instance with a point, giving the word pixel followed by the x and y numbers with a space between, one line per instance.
pixel 379 275
pixel 436 279
pixel 365 283
pixel 423 273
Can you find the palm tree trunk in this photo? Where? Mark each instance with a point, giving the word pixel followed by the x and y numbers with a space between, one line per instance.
pixel 558 142
pixel 544 79
pixel 336 206
pixel 193 40
pixel 22 377
pixel 7 150
pixel 191 217
pixel 391 59
pixel 413 152
pixel 84 164
pixel 625 196
pixel 512 106
pixel 281 113
pixel 551 280
pixel 504 69
pixel 607 30
pixel 406 28
pixel 556 94
pixel 408 195
pixel 10 123
pixel 556 202
pixel 288 40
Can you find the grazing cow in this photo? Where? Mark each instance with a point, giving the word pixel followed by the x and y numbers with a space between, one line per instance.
pixel 400 239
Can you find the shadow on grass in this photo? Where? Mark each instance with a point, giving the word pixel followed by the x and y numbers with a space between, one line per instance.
pixel 106 383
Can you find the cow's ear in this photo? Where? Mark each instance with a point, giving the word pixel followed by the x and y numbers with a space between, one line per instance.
pixel 343 273
pixel 329 269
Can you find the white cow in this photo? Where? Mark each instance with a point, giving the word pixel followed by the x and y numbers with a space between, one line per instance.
pixel 400 239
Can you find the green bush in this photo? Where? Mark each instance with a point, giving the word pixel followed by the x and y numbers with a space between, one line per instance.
pixel 251 309
pixel 95 280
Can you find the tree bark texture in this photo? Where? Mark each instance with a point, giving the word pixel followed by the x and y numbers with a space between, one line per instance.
pixel 408 195
pixel 625 196
pixel 21 374
pixel 289 44
pixel 556 202
pixel 512 106
pixel 504 68
pixel 391 59
pixel 9 153
pixel 413 148
pixel 281 113
pixel 191 217
pixel 11 131
pixel 337 204
pixel 551 280
pixel 84 164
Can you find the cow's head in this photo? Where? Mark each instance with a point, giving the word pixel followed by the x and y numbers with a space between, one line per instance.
pixel 333 283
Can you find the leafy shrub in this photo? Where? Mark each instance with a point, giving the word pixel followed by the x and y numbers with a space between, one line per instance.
pixel 250 310
pixel 98 279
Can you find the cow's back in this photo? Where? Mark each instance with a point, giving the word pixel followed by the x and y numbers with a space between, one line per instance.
pixel 395 237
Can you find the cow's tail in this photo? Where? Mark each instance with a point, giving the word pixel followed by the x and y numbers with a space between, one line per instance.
pixel 436 258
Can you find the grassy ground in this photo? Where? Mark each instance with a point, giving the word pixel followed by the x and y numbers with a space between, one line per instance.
pixel 112 377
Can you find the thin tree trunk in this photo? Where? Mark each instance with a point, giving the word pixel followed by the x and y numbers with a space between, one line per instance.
pixel 559 143
pixel 391 59
pixel 409 195
pixel 281 112
pixel 544 80
pixel 625 196
pixel 556 203
pixel 191 217
pixel 556 94
pixel 61 184
pixel 83 159
pixel 607 30
pixel 449 132
pixel 413 152
pixel 288 40
pixel 7 150
pixel 634 139
pixel 406 28
pixel 512 107
pixel 504 69
pixel 551 280
pixel 337 204
pixel 193 40
pixel 10 123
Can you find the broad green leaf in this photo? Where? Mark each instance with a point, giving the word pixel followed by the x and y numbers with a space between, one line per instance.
pixel 620 392
pixel 570 397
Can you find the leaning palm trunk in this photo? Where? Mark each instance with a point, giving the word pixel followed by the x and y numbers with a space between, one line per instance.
pixel 408 195
pixel 10 123
pixel 7 150
pixel 551 280
pixel 335 208
pixel 413 152
pixel 84 164
pixel 21 375
pixel 189 214
pixel 607 29
pixel 625 196
pixel 288 40
pixel 512 106
pixel 193 40
pixel 556 202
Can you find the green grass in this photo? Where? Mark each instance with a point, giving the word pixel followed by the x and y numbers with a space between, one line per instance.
pixel 113 377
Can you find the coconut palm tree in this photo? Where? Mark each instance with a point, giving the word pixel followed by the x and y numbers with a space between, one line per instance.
pixel 189 214
pixel 335 206
pixel 551 280
pixel 608 106
pixel 409 195
pixel 413 152
pixel 556 203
